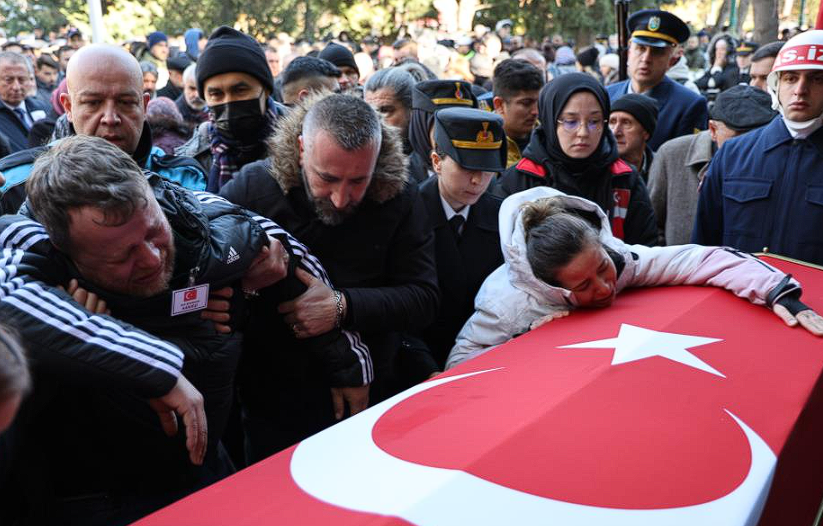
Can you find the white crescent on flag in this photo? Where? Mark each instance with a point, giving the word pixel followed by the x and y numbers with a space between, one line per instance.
pixel 366 478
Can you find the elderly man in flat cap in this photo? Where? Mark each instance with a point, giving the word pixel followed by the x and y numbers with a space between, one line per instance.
pixel 681 163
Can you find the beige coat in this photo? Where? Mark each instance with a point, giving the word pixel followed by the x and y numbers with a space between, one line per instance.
pixel 674 177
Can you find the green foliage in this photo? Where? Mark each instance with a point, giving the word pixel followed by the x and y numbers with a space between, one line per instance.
pixel 577 19
pixel 125 19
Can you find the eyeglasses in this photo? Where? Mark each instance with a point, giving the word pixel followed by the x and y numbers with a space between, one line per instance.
pixel 572 125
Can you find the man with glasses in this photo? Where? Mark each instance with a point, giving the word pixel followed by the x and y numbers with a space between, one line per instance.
pixel 18 112
pixel 655 36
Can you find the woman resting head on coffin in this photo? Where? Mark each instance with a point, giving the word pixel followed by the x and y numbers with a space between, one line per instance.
pixel 559 255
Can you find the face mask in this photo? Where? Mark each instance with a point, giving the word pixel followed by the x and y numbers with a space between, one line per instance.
pixel 240 120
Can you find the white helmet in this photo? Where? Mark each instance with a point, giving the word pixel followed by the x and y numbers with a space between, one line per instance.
pixel 804 51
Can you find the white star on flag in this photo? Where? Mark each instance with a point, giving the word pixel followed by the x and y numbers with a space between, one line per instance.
pixel 635 343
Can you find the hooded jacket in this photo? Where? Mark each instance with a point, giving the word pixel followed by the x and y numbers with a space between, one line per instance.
pixel 603 178
pixel 380 257
pixel 512 297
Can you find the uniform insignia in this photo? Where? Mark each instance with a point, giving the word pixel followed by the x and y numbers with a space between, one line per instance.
pixel 654 23
pixel 458 94
pixel 485 135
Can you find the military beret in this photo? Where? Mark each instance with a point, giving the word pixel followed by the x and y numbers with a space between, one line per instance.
pixel 473 138
pixel 743 108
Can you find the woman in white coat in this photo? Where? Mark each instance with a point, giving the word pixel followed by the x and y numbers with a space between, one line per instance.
pixel 560 255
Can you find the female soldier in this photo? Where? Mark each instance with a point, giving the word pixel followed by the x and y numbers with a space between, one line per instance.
pixel 427 97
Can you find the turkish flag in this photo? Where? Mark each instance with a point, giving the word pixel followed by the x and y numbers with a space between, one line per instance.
pixel 190 295
pixel 679 405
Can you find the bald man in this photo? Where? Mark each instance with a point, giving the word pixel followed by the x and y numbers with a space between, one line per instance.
pixel 105 99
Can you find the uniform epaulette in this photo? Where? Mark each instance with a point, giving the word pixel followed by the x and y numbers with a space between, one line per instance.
pixel 527 165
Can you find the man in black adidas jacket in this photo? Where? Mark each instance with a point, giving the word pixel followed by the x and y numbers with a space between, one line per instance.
pixel 146 238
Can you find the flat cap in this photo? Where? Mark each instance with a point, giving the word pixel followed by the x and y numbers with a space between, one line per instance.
pixel 743 108
pixel 178 63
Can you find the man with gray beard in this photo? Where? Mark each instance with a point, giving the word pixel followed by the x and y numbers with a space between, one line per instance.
pixel 191 106
pixel 337 180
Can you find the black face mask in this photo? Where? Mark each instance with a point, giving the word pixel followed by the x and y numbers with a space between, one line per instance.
pixel 240 120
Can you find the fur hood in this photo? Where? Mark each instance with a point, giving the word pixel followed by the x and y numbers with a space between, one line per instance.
pixel 390 171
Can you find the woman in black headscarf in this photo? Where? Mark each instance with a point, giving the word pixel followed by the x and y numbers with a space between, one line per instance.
pixel 574 151
pixel 427 97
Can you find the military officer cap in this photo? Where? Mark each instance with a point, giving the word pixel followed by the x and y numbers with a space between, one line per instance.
pixel 433 95
pixel 473 138
pixel 746 48
pixel 656 28
pixel 743 108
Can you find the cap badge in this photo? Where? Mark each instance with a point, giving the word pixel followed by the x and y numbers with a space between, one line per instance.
pixel 485 135
pixel 458 94
pixel 654 23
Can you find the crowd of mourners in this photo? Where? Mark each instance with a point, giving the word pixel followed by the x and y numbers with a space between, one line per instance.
pixel 213 247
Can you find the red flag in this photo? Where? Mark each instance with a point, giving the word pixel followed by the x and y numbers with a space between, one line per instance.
pixel 674 406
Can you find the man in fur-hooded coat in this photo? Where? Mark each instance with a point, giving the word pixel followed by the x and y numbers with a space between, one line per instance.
pixel 374 246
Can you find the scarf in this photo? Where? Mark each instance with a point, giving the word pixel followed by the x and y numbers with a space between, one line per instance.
pixel 589 178
pixel 229 155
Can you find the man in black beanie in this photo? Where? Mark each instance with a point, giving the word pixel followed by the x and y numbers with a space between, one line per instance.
pixel 234 79
pixel 343 58
pixel 633 121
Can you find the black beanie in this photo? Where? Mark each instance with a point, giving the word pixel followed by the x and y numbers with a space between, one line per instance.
pixel 229 51
pixel 641 107
pixel 339 56
pixel 588 57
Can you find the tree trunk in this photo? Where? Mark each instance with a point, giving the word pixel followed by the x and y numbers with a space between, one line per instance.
pixel 465 17
pixel 742 13
pixel 447 11
pixel 787 9
pixel 308 21
pixel 765 20
pixel 723 15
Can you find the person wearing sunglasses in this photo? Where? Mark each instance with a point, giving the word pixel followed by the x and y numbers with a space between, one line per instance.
pixel 574 151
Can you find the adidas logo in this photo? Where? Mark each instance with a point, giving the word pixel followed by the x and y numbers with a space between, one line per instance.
pixel 233 256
